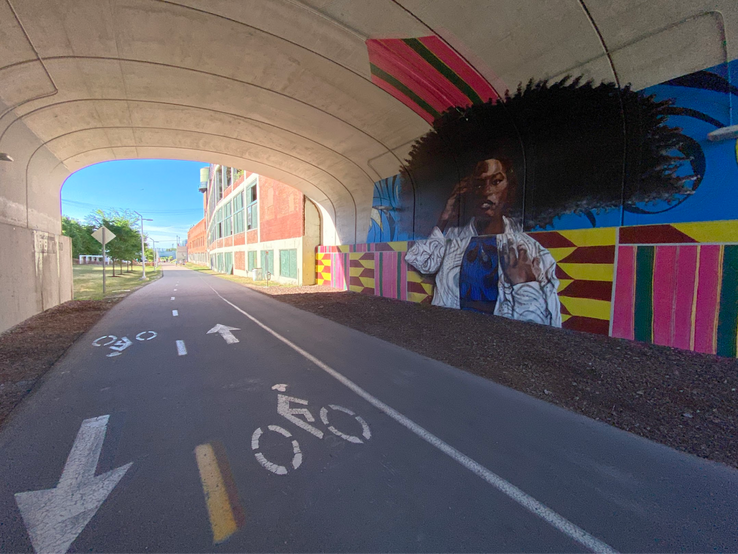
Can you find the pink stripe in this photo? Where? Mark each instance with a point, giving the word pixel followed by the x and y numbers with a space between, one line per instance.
pixel 389 274
pixel 664 290
pixel 460 66
pixel 410 76
pixel 685 275
pixel 415 68
pixel 622 323
pixel 707 299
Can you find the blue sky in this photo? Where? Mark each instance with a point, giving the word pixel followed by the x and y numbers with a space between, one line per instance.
pixel 163 190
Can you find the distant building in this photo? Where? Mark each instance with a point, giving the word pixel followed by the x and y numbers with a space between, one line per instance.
pixel 197 249
pixel 254 225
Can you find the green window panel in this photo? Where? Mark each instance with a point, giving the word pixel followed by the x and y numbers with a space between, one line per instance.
pixel 252 259
pixel 288 263
pixel 267 260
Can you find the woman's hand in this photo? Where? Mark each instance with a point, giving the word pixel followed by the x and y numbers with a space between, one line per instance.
pixel 516 263
pixel 452 204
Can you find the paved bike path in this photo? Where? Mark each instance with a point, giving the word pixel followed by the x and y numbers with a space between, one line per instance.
pixel 395 492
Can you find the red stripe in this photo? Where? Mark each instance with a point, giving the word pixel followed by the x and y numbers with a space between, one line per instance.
pixel 622 323
pixel 587 324
pixel 664 278
pixel 596 290
pixel 707 299
pixel 686 270
pixel 591 255
pixel 402 98
pixel 422 72
pixel 460 66
pixel 653 234
pixel 401 70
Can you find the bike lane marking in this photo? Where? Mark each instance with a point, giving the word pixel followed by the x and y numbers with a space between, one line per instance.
pixel 551 517
pixel 181 348
pixel 175 313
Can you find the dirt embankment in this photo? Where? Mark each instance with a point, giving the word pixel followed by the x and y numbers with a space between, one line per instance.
pixel 28 350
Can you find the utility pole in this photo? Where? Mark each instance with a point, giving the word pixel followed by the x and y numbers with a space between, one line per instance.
pixel 103 245
pixel 143 246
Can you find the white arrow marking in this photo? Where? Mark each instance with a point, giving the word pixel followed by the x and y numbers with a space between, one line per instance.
pixel 225 332
pixel 55 517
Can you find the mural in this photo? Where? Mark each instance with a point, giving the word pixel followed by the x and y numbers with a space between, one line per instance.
pixel 560 203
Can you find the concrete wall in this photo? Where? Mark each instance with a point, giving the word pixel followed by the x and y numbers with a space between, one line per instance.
pixel 36 272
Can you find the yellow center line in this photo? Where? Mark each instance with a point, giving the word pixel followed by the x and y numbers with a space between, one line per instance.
pixel 222 519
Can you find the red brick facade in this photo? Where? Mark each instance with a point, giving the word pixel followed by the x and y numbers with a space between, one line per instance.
pixel 252 237
pixel 239 260
pixel 280 210
pixel 196 241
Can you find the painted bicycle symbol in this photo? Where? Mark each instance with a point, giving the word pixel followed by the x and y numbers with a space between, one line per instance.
pixel 118 345
pixel 290 414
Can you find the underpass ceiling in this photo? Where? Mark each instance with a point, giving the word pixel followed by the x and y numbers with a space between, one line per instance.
pixel 284 87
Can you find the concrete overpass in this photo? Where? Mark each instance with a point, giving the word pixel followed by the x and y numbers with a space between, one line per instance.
pixel 283 88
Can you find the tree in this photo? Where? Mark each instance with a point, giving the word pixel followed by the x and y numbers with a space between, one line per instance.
pixel 81 235
pixel 127 243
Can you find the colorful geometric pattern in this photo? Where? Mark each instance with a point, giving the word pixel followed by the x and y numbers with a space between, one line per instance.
pixel 715 232
pixel 322 268
pixel 426 75
pixel 585 261
pixel 684 296
pixel 361 273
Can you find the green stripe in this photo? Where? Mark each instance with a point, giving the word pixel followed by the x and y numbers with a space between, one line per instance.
pixel 728 317
pixel 643 316
pixel 377 72
pixel 443 69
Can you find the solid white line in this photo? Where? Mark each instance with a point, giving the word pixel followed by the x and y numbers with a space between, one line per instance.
pixel 525 500
pixel 181 349
pixel 175 313
pixel 172 298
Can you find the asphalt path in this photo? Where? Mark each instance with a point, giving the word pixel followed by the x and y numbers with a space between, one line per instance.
pixel 416 456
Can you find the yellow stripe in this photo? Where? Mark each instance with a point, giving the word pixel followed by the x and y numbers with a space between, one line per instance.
pixel 587 307
pixel 589 272
pixel 367 281
pixel 604 236
pixel 563 283
pixel 222 521
pixel 561 253
pixel 416 296
pixel 710 231
pixel 399 246
pixel 564 317
pixel 693 315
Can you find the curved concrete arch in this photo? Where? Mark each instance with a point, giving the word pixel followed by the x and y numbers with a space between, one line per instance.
pixel 285 87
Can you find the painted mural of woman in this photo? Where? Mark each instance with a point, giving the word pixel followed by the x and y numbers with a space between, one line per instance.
pixel 489 264
pixel 546 151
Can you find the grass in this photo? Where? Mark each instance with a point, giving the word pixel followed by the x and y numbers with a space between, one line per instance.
pixel 88 281
pixel 235 278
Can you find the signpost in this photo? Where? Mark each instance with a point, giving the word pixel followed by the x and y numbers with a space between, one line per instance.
pixel 103 235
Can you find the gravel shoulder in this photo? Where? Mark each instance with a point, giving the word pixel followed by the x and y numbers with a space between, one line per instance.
pixel 682 399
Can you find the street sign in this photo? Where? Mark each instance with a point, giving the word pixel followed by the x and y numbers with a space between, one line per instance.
pixel 98 235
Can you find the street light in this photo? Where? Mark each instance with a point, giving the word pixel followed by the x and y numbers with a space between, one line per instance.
pixel 143 246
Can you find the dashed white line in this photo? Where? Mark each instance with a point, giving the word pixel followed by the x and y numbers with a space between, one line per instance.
pixel 551 517
pixel 175 290
pixel 172 298
pixel 175 313
pixel 181 349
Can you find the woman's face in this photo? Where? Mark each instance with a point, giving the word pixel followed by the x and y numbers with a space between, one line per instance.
pixel 490 189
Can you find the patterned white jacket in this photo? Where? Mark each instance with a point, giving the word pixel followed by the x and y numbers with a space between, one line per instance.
pixel 441 255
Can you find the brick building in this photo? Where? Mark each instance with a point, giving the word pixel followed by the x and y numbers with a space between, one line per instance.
pixel 254 224
pixel 197 249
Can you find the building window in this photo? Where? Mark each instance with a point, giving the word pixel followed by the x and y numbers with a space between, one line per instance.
pixel 288 263
pixel 238 214
pixel 227 221
pixel 252 259
pixel 252 208
pixel 267 260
